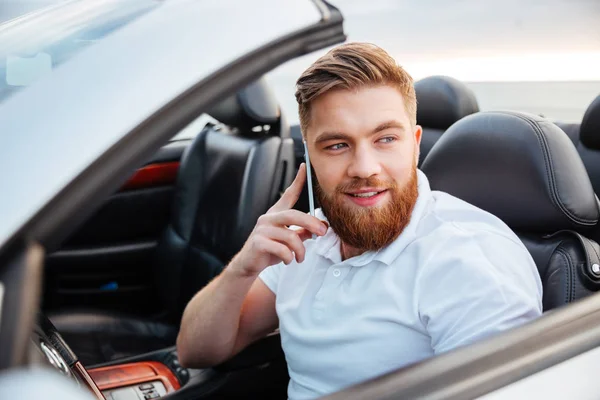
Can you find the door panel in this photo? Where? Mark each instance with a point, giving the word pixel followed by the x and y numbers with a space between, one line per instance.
pixel 111 277
pixel 136 215
pixel 107 263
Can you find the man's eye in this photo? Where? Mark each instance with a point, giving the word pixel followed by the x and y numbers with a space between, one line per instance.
pixel 336 146
pixel 387 139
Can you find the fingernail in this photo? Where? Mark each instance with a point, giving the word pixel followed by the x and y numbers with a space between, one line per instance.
pixel 324 227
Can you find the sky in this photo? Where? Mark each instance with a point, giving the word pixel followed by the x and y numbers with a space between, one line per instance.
pixel 481 41
pixel 551 47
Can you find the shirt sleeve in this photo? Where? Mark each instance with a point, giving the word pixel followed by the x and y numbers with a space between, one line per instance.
pixel 270 276
pixel 477 286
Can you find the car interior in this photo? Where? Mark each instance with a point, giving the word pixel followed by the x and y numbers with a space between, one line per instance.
pixel 524 169
pixel 115 291
pixel 227 177
pixel 441 101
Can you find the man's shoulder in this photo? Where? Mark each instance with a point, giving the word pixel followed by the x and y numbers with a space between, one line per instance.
pixel 455 232
pixel 468 243
pixel 451 216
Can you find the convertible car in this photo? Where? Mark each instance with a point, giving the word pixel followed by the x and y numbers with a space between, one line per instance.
pixel 141 142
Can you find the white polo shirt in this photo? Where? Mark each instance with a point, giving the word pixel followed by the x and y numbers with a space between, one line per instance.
pixel 456 274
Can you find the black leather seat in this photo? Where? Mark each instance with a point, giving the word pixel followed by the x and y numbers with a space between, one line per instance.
pixel 586 137
pixel 226 180
pixel 441 101
pixel 525 170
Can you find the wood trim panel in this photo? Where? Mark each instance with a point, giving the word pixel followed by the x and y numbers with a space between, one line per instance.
pixel 152 175
pixel 116 376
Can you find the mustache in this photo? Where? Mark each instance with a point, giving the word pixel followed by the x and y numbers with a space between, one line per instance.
pixel 370 182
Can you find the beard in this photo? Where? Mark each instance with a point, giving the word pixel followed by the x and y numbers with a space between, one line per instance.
pixel 369 228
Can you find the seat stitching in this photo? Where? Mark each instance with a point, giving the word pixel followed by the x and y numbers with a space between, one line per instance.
pixel 570 281
pixel 595 252
pixel 549 170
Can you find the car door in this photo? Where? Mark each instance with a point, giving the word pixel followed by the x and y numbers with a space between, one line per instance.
pixel 106 262
pixel 103 114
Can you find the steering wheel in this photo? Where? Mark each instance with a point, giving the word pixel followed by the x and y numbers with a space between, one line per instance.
pixel 59 355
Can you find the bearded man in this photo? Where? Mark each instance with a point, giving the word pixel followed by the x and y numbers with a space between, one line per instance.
pixel 398 272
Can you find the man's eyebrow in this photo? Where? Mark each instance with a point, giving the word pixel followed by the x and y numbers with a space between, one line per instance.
pixel 387 125
pixel 326 136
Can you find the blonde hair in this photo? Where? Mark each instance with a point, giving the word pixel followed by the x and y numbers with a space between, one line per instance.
pixel 351 66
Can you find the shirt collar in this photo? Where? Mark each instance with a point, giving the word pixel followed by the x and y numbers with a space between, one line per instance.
pixel 328 245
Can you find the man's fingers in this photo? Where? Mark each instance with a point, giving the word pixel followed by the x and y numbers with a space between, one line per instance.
pixel 298 218
pixel 279 250
pixel 304 234
pixel 292 193
pixel 288 237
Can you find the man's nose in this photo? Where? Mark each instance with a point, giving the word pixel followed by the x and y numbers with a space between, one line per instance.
pixel 364 164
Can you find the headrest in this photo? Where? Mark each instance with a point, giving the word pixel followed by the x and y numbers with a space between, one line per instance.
pixel 589 133
pixel 441 101
pixel 253 106
pixel 520 167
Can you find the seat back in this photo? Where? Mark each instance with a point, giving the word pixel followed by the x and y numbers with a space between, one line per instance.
pixel 566 272
pixel 526 171
pixel 588 144
pixel 586 137
pixel 228 178
pixel 441 101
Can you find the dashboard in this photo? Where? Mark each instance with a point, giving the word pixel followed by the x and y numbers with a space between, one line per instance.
pixel 129 381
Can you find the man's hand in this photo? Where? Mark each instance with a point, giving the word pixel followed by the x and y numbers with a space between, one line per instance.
pixel 236 309
pixel 271 241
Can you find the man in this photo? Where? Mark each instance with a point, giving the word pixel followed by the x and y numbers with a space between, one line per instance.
pixel 399 273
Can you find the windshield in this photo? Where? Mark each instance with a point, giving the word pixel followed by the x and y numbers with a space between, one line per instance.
pixel 35 44
pixel 541 57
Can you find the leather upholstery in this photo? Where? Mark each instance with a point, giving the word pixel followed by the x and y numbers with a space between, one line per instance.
pixel 515 159
pixel 572 131
pixel 526 171
pixel 441 101
pixel 559 261
pixel 227 179
pixel 225 184
pixel 254 106
pixel 586 137
pixel 589 133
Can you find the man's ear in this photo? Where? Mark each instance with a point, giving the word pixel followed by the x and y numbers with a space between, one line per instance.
pixel 418 133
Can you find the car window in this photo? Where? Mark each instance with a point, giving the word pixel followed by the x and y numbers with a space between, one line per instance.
pixel 35 44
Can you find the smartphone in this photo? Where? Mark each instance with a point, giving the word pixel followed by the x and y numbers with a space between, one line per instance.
pixel 311 199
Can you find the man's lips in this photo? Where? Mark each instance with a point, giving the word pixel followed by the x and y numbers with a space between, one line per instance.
pixel 365 192
pixel 366 198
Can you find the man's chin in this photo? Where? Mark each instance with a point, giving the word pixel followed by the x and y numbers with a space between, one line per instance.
pixel 365 228
pixel 370 224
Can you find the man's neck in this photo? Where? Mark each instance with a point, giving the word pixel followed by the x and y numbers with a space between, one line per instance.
pixel 349 251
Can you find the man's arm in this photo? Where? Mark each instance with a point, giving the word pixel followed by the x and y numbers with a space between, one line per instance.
pixel 223 318
pixel 236 309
